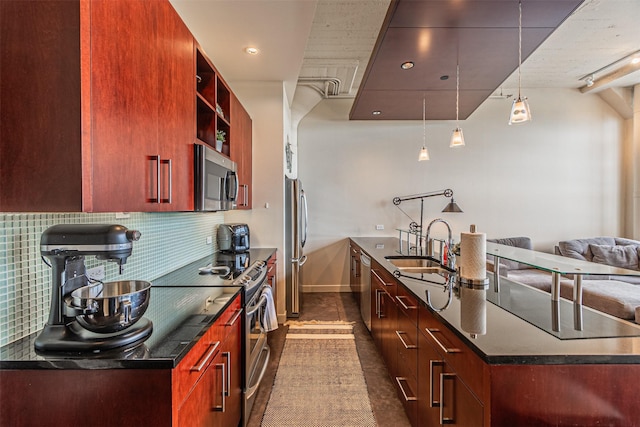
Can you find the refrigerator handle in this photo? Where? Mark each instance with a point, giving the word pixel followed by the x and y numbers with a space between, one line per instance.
pixel 303 198
pixel 300 261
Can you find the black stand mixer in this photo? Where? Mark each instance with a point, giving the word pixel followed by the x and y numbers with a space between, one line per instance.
pixel 91 316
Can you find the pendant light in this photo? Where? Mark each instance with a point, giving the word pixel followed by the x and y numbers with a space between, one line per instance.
pixel 520 111
pixel 424 153
pixel 457 139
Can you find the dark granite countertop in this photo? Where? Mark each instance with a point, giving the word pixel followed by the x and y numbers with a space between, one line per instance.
pixel 509 339
pixel 178 309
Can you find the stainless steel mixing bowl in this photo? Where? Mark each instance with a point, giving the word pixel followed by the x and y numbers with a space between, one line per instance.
pixel 111 306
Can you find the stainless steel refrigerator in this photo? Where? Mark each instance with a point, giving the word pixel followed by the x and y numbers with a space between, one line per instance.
pixel 295 238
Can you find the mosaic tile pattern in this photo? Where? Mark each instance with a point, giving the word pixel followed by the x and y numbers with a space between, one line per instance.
pixel 169 241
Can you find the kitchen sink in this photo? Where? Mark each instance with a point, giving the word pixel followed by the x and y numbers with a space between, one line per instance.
pixel 417 264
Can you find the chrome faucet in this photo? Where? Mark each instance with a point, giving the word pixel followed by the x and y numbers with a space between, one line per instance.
pixel 450 256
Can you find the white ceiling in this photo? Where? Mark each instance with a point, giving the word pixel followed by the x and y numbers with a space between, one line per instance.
pixel 342 33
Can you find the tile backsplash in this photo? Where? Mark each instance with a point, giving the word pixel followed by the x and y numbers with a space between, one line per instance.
pixel 169 241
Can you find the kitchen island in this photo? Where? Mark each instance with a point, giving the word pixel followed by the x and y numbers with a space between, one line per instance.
pixel 505 370
pixel 191 362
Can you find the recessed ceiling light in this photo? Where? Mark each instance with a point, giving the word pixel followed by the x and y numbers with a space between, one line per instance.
pixel 251 50
pixel 636 60
pixel 407 65
pixel 376 113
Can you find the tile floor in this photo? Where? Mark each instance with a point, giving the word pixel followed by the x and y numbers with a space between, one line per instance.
pixel 387 409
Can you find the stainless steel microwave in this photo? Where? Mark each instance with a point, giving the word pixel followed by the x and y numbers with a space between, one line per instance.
pixel 216 180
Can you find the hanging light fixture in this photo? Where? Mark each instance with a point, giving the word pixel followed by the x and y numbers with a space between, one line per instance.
pixel 457 139
pixel 424 153
pixel 520 111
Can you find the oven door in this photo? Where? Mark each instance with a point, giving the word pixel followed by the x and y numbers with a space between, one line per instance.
pixel 257 351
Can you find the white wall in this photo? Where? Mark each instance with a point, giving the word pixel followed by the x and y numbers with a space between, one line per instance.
pixel 555 178
pixel 267 105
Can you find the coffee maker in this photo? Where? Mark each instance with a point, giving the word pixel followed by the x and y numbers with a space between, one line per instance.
pixel 91 316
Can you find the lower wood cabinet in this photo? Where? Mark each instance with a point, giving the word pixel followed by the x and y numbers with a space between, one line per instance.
pixel 203 390
pixel 207 382
pixel 441 380
pixel 443 398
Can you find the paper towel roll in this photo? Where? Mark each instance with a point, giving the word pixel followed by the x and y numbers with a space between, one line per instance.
pixel 473 254
pixel 473 311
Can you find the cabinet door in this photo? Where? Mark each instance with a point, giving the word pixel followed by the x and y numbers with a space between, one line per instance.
pixel 389 338
pixel 176 135
pixel 231 352
pixel 443 398
pixel 206 403
pixel 240 144
pixel 124 107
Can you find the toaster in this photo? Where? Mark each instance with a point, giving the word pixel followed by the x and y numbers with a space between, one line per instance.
pixel 233 238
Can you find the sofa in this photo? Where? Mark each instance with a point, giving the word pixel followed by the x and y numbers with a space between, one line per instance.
pixel 618 296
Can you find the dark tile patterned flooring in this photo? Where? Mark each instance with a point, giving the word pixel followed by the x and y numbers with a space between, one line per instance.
pixel 387 409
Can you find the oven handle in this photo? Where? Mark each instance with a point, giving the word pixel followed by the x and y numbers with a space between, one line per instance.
pixel 262 301
pixel 251 391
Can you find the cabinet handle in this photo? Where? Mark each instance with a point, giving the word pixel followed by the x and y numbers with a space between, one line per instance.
pixel 404 343
pixel 156 159
pixel 400 380
pixel 433 403
pixel 245 195
pixel 380 279
pixel 444 377
pixel 378 313
pixel 227 355
pixel 168 163
pixel 233 320
pixel 205 359
pixel 221 408
pixel 405 306
pixel 430 331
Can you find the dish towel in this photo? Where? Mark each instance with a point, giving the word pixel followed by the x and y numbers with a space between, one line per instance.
pixel 269 321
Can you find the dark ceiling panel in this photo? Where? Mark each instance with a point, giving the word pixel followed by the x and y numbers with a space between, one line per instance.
pixel 439 57
pixel 407 105
pixel 480 35
pixel 481 14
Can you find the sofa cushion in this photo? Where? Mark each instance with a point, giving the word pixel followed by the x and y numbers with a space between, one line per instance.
pixel 579 248
pixel 616 256
pixel 626 242
pixel 518 242
pixel 616 298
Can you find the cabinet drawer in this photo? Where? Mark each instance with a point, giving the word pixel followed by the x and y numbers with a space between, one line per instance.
pixel 382 277
pixel 406 388
pixel 227 320
pixel 467 365
pixel 407 345
pixel 191 368
pixel 407 304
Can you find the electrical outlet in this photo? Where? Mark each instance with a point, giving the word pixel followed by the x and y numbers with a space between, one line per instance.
pixel 209 240
pixel 379 227
pixel 96 273
pixel 123 215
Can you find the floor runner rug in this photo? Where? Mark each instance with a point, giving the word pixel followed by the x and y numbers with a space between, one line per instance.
pixel 319 382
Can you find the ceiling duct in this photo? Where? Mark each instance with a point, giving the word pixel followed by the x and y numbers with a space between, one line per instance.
pixel 332 78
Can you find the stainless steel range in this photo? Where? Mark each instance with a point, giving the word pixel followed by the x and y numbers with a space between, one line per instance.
pixel 256 354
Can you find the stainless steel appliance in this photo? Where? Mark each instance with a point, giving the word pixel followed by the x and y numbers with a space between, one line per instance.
pixel 233 238
pixel 216 181
pixel 296 218
pixel 365 289
pixel 85 315
pixel 257 352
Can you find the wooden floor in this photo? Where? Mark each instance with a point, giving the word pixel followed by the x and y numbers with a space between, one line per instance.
pixel 387 409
